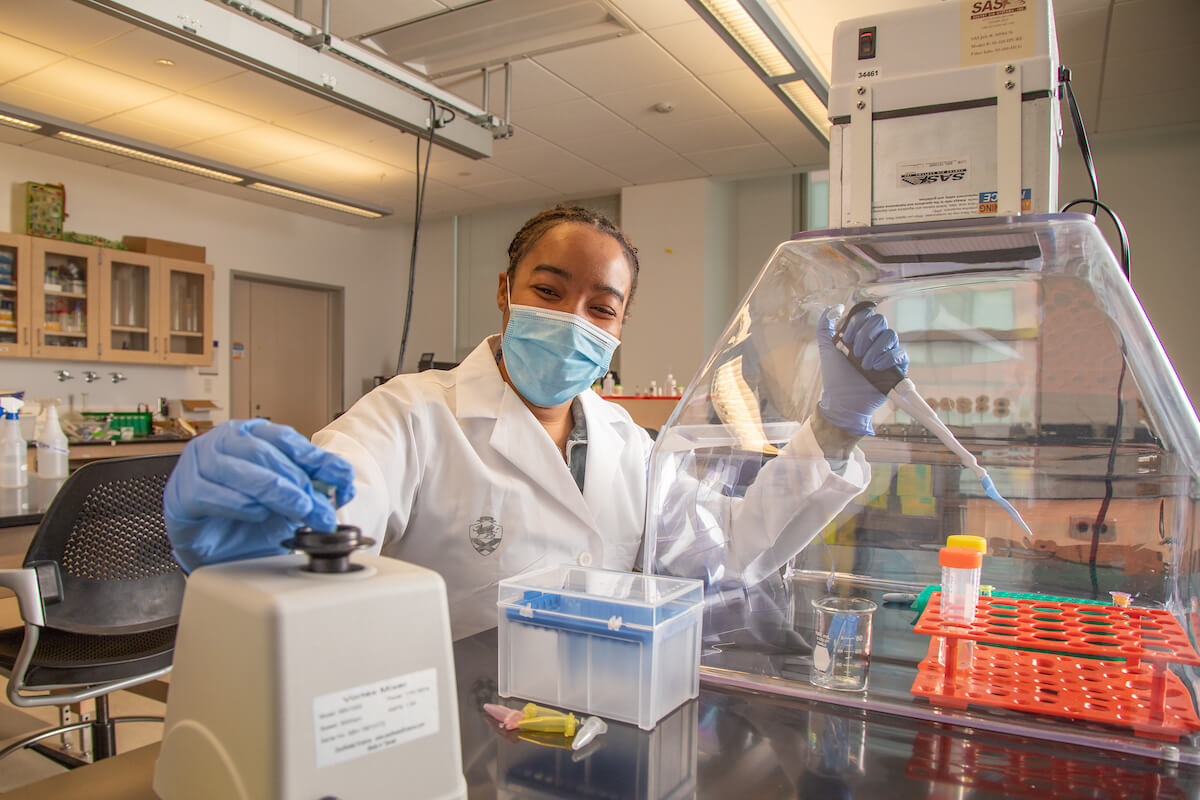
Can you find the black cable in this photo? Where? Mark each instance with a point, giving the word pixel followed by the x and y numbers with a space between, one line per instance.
pixel 1064 77
pixel 422 177
pixel 1108 477
pixel 1126 267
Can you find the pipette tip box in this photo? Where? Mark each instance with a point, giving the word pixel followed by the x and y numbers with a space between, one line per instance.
pixel 620 645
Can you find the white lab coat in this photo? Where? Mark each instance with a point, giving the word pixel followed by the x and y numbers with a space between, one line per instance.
pixel 454 473
pixel 440 456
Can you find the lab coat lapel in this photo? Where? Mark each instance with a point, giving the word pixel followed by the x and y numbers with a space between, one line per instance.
pixel 521 439
pixel 603 454
pixel 516 435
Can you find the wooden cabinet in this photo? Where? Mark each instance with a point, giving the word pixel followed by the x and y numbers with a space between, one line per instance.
pixel 80 302
pixel 66 300
pixel 185 300
pixel 15 308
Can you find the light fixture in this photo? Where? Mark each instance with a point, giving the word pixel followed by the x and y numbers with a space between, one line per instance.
pixel 315 200
pixel 164 62
pixel 143 155
pixel 14 122
pixel 753 31
pixel 75 133
pixel 289 50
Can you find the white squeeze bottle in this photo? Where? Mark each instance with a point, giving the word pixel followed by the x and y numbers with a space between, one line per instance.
pixel 13 470
pixel 669 388
pixel 52 449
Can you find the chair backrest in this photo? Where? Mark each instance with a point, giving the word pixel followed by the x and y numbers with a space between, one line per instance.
pixel 102 548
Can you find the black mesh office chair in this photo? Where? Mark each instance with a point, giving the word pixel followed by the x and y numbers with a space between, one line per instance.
pixel 99 595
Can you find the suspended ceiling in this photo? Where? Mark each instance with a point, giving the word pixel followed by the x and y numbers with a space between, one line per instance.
pixel 584 116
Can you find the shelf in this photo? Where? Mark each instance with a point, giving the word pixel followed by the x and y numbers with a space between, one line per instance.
pixel 66 334
pixel 77 295
pixel 129 329
pixel 8 287
pixel 198 334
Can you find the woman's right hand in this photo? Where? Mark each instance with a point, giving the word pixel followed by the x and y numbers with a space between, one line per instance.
pixel 243 487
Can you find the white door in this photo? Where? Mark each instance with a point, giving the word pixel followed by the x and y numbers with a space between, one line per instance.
pixel 282 354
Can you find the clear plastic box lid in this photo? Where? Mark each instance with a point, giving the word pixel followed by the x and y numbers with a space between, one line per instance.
pixel 1028 342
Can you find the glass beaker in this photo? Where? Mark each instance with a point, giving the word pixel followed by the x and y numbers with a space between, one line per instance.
pixel 842 653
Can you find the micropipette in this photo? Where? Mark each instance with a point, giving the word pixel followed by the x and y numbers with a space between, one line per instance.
pixel 900 389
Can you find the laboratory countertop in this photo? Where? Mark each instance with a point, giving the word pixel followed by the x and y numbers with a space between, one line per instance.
pixel 735 744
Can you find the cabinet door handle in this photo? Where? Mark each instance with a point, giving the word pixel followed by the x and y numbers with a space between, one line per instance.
pixel 39 338
pixel 155 338
pixel 25 334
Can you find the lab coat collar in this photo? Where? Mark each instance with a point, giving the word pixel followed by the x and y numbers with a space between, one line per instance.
pixel 480 388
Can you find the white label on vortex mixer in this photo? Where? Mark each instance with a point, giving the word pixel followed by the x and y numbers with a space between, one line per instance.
pixel 357 722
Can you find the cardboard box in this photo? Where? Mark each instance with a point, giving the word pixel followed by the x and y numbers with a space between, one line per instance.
pixel 162 247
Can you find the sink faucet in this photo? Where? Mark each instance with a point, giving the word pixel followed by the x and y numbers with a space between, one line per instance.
pixel 117 377
pixel 63 375
pixel 90 376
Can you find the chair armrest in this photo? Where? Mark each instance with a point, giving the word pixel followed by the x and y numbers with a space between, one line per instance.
pixel 24 584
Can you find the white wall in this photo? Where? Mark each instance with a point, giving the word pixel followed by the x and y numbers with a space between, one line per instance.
pixel 1149 178
pixel 370 264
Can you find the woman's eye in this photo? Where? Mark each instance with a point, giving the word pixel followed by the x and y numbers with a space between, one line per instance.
pixel 545 291
pixel 604 310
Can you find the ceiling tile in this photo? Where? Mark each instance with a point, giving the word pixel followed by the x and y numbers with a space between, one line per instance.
pixel 609 150
pixel 726 130
pixel 256 147
pixel 742 90
pixel 734 160
pixel 180 118
pixel 1154 70
pixel 76 81
pixel 1149 110
pixel 514 190
pixel 660 170
pixel 48 104
pixel 1139 26
pixel 1073 6
pixel 532 86
pixel 18 57
pixel 466 172
pixel 689 99
pixel 336 168
pixel 789 135
pixel 570 120
pixel 526 153
pixel 260 96
pixel 651 14
pixel 579 178
pixel 629 61
pixel 1081 35
pixel 698 47
pixel 60 25
pixel 135 52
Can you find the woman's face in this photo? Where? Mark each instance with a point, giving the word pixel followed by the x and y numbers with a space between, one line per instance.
pixel 573 268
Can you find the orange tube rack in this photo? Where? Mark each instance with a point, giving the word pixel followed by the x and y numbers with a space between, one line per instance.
pixel 1010 667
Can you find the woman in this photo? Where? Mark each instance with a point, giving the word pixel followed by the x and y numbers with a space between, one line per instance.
pixel 502 464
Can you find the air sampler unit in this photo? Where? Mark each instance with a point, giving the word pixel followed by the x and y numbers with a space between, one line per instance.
pixel 945 111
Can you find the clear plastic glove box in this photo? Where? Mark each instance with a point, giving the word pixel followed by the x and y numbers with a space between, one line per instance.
pixel 620 645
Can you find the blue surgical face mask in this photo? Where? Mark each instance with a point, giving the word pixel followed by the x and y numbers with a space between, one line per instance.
pixel 552 356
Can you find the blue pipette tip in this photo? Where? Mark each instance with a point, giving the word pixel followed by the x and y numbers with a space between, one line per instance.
pixel 990 488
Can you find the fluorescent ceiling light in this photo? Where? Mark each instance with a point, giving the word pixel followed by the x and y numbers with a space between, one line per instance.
pixel 265 39
pixel 742 27
pixel 807 101
pixel 75 133
pixel 143 155
pixel 314 199
pixel 753 31
pixel 14 122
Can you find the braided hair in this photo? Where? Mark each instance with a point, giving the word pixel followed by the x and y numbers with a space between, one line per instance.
pixel 540 224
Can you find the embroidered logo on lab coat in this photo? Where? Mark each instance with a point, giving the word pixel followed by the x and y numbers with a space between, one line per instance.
pixel 486 534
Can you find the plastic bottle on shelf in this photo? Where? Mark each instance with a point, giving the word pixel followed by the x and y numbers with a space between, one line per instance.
pixel 653 391
pixel 14 472
pixel 669 388
pixel 609 386
pixel 78 318
pixel 52 449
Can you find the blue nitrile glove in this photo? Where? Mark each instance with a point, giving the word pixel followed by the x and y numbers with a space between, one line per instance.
pixel 848 399
pixel 243 487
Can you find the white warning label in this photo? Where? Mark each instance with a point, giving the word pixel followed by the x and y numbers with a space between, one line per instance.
pixel 356 722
